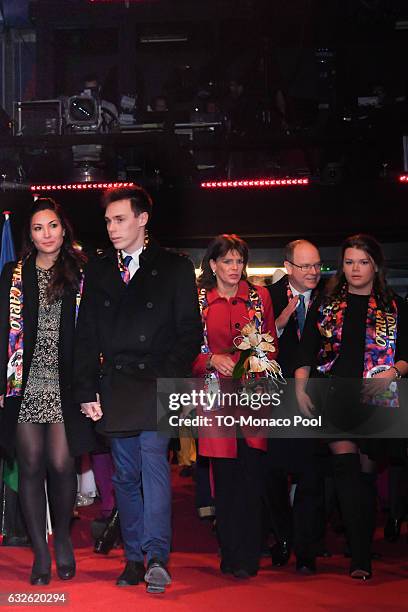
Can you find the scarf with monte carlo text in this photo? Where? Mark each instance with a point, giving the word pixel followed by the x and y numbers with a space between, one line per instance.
pixel 254 306
pixel 380 337
pixel 15 350
pixel 255 314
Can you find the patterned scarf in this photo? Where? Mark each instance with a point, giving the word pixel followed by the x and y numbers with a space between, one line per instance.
pixel 16 330
pixel 16 334
pixel 254 306
pixel 380 340
pixel 255 314
pixel 124 270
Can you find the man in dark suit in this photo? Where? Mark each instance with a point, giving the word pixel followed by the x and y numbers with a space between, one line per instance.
pixel 139 321
pixel 292 296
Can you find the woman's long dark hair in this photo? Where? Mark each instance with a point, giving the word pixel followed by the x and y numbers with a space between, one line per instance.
pixel 70 260
pixel 382 292
pixel 218 247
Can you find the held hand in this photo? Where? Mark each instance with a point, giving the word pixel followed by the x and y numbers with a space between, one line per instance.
pixel 305 404
pixel 92 410
pixel 223 364
pixel 377 384
pixel 1 401
pixel 282 320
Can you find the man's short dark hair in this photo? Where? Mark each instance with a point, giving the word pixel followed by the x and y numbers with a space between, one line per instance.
pixel 291 246
pixel 140 200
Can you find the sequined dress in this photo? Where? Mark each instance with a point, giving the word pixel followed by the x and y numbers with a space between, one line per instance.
pixel 41 401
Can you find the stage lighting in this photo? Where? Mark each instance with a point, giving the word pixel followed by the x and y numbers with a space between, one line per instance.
pixel 83 114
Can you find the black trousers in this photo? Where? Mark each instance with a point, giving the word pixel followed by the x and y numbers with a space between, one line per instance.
pixel 205 503
pixel 302 526
pixel 238 502
pixel 397 487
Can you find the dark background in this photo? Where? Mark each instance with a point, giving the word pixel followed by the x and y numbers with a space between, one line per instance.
pixel 322 55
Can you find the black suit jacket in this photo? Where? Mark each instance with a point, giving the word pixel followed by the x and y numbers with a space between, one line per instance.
pixel 130 335
pixel 295 455
pixel 79 430
pixel 288 341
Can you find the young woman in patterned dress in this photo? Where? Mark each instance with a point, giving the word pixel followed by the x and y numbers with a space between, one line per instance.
pixel 39 298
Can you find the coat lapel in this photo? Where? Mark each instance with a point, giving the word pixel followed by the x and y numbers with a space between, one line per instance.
pixel 146 266
pixel 111 279
pixel 67 311
pixel 66 331
pixel 30 293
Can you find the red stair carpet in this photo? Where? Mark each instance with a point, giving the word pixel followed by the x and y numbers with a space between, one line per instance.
pixel 198 584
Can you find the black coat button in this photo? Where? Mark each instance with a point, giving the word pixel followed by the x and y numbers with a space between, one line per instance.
pixel 237 325
pixel 141 366
pixel 234 302
pixel 118 366
pixel 149 305
pixel 154 272
pixel 106 303
pixel 142 338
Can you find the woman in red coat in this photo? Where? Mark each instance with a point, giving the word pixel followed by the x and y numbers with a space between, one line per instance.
pixel 228 303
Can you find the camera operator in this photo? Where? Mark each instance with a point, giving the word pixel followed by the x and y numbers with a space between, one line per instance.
pixel 109 112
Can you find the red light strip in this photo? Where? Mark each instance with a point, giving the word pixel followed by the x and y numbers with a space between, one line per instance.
pixel 403 178
pixel 258 183
pixel 79 186
pixel 120 1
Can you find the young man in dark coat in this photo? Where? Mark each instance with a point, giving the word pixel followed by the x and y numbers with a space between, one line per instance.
pixel 292 296
pixel 139 321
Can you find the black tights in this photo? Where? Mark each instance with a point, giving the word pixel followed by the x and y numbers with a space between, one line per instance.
pixel 42 450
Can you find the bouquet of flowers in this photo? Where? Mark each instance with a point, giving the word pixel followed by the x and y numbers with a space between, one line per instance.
pixel 254 359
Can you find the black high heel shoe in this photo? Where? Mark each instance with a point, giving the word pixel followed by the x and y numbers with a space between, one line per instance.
pixel 66 572
pixel 280 553
pixel 110 535
pixel 65 562
pixel 40 578
pixel 392 529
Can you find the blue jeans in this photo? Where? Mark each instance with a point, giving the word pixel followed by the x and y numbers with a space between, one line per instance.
pixel 143 494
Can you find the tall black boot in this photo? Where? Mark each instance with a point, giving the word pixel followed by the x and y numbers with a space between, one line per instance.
pixel 110 535
pixel 347 475
pixel 369 493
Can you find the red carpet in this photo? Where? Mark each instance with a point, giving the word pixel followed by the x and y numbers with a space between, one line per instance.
pixel 199 586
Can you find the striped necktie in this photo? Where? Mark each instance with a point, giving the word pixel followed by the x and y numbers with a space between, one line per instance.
pixel 126 262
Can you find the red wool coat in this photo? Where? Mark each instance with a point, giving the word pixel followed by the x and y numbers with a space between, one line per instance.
pixel 225 319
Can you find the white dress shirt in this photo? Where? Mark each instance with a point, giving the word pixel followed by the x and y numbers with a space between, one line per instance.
pixel 307 295
pixel 134 264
